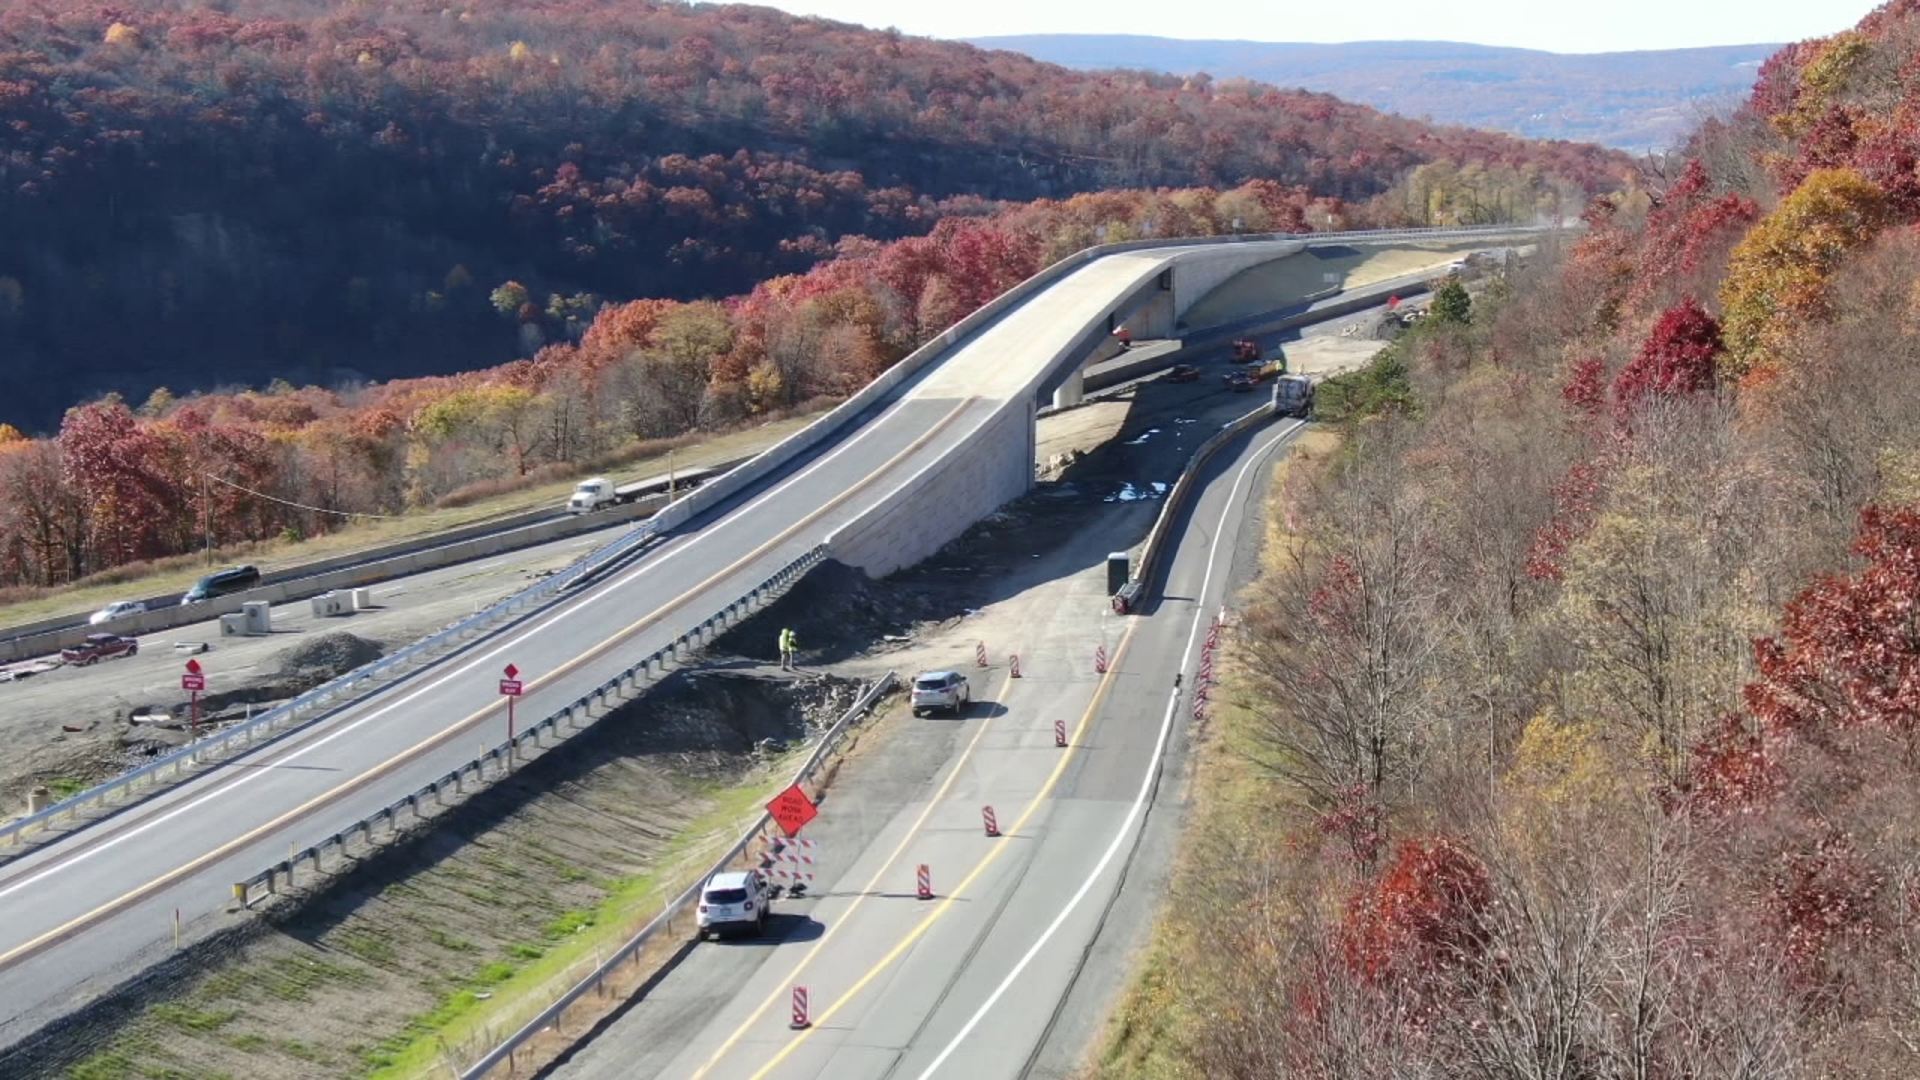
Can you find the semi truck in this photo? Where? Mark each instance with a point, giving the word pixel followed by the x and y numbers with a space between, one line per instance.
pixel 601 492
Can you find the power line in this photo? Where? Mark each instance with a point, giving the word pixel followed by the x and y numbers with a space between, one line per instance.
pixel 298 505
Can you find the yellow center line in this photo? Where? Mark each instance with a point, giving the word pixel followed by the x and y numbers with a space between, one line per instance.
pixel 913 832
pixel 139 893
pixel 1046 790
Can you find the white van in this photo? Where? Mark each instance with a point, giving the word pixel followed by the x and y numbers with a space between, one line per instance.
pixel 734 900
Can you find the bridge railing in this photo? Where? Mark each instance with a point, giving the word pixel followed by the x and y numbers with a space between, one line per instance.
pixel 495 761
pixel 305 708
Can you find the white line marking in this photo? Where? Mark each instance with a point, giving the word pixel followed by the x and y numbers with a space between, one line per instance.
pixel 1146 781
pixel 462 670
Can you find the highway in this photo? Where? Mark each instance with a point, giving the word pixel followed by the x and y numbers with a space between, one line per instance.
pixel 81 914
pixel 1010 969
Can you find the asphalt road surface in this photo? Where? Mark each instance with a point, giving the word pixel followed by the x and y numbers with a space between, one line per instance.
pixel 80 915
pixel 1009 970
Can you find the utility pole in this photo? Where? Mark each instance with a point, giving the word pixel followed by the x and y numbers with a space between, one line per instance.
pixel 670 491
pixel 206 517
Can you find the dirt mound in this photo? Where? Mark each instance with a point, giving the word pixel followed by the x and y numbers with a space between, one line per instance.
pixel 328 656
pixel 716 725
pixel 836 612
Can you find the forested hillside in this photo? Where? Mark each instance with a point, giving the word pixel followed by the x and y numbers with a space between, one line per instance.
pixel 1642 101
pixel 196 195
pixel 121 484
pixel 1580 703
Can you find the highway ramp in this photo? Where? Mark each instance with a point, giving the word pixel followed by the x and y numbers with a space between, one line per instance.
pixel 1014 961
pixel 83 913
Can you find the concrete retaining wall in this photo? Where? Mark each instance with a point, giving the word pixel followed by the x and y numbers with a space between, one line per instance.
pixel 384 551
pixel 1194 278
pixel 941 501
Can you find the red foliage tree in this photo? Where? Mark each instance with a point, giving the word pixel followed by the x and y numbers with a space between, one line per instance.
pixel 1849 648
pixel 1422 919
pixel 1585 392
pixel 110 459
pixel 1676 360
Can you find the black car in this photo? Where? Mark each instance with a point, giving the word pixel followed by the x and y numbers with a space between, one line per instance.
pixel 1183 373
pixel 1238 381
pixel 221 583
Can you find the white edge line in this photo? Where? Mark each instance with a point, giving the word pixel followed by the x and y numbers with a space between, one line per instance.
pixel 1146 782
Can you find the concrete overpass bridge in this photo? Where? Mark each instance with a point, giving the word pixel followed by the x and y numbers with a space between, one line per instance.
pixel 1031 348
pixel 938 442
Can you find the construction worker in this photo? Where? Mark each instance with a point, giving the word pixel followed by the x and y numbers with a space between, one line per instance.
pixel 1125 337
pixel 787 642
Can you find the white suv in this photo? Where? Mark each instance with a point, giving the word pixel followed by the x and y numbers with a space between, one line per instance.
pixel 734 900
pixel 941 690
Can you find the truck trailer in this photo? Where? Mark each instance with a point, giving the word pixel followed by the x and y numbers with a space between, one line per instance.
pixel 601 492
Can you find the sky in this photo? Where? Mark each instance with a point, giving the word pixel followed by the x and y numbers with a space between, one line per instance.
pixel 1609 26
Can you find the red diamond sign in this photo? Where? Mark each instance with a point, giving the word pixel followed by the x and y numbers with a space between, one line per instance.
pixel 791 809
pixel 193 667
pixel 512 672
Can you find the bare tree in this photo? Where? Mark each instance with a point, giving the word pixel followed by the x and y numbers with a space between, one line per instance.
pixel 1339 655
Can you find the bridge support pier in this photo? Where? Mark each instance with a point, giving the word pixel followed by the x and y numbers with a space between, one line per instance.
pixel 1072 391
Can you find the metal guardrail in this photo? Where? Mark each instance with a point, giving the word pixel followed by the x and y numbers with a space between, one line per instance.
pixel 321 699
pixel 268 881
pixel 662 922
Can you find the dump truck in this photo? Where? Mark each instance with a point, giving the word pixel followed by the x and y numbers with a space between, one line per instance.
pixel 600 492
pixel 1245 350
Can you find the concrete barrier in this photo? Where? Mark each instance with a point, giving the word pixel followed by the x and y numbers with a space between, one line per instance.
pixel 353 574
pixel 1153 552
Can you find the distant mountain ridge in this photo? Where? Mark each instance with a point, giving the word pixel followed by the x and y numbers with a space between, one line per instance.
pixel 1633 101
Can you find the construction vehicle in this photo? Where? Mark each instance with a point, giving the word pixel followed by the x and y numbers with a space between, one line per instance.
pixel 1293 396
pixel 1272 369
pixel 1245 351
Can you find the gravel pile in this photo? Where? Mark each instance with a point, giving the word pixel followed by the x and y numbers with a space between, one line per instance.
pixel 327 656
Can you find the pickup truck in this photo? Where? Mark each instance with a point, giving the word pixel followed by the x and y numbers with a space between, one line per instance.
pixel 599 492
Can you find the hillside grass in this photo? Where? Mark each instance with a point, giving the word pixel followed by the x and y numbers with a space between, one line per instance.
pixel 575 942
pixel 1150 1031
pixel 176 574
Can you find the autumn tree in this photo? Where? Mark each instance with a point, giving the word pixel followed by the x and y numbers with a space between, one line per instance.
pixel 1676 360
pixel 1341 653
pixel 1778 278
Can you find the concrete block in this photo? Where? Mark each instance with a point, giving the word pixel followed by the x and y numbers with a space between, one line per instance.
pixel 362 599
pixel 233 624
pixel 257 616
